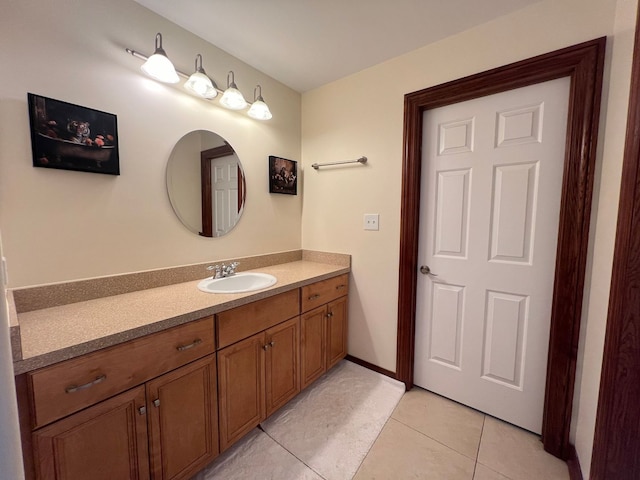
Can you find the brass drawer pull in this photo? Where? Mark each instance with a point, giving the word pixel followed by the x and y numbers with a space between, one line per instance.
pixel 330 314
pixel 75 388
pixel 339 287
pixel 270 344
pixel 313 297
pixel 182 348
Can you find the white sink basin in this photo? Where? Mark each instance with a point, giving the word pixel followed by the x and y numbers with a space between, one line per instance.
pixel 237 283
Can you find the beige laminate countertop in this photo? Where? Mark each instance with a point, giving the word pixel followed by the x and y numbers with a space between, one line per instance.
pixel 50 335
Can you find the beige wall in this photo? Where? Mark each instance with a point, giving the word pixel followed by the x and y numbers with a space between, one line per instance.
pixel 59 225
pixel 363 114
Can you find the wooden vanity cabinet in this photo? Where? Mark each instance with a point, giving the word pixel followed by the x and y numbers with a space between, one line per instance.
pixel 323 326
pixel 282 364
pixel 67 387
pixel 241 388
pixel 164 428
pixel 163 406
pixel 182 411
pixel 256 377
pixel 313 335
pixel 337 330
pixel 258 362
pixel 103 442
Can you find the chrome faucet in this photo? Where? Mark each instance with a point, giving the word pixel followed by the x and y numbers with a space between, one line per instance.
pixel 221 271
pixel 228 270
pixel 217 272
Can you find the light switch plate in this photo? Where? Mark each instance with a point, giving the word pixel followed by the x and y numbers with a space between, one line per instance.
pixel 372 221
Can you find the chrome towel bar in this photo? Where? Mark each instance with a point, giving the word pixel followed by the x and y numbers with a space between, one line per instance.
pixel 361 160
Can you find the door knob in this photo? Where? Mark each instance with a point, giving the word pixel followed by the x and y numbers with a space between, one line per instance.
pixel 424 269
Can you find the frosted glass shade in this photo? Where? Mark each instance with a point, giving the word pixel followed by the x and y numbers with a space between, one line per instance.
pixel 260 111
pixel 160 68
pixel 232 99
pixel 201 85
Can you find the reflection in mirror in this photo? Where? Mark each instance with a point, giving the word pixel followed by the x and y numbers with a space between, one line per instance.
pixel 205 182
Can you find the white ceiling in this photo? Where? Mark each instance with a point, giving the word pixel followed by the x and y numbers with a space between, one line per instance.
pixel 308 43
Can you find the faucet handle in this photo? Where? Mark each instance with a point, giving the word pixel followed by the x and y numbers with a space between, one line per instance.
pixel 216 270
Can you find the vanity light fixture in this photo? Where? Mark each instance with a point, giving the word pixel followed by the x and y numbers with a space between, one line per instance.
pixel 199 84
pixel 232 98
pixel 259 110
pixel 158 66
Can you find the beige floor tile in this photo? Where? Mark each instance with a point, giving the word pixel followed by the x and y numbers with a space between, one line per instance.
pixel 402 453
pixel 448 422
pixel 257 456
pixel 517 453
pixel 485 473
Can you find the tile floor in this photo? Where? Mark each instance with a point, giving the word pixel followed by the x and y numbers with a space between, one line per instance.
pixel 430 437
pixel 425 437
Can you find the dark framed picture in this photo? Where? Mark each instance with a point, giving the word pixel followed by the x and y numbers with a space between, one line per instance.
pixel 283 176
pixel 71 137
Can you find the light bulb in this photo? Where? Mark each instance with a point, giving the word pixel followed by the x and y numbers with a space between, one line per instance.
pixel 260 111
pixel 232 98
pixel 158 66
pixel 199 84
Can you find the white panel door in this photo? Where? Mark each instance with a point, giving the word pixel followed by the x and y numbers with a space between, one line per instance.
pixel 491 186
pixel 224 183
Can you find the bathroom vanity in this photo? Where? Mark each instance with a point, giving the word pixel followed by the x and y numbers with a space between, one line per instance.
pixel 162 398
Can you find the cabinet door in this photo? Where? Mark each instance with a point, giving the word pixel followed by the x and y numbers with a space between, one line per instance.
pixel 282 364
pixel 183 420
pixel 241 388
pixel 336 331
pixel 105 442
pixel 313 356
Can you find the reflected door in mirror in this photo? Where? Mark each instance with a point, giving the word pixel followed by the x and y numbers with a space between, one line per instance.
pixel 222 190
pixel 206 184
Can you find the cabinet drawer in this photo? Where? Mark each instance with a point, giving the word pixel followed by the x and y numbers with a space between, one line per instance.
pixel 74 384
pixel 242 322
pixel 323 292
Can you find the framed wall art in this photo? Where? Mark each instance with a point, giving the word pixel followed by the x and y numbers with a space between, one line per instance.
pixel 283 176
pixel 71 137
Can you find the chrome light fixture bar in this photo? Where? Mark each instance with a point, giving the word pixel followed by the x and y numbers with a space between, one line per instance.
pixel 200 84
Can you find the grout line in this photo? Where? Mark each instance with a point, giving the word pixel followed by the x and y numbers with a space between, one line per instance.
pixel 377 436
pixel 475 465
pixel 435 439
pixel 366 454
pixel 291 453
pixel 484 419
pixel 495 471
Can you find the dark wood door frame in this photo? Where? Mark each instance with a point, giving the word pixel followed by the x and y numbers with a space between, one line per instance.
pixel 616 446
pixel 583 64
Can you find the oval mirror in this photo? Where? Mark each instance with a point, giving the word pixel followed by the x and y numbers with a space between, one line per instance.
pixel 205 183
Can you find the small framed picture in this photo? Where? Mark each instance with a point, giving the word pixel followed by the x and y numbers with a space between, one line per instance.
pixel 71 137
pixel 283 176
